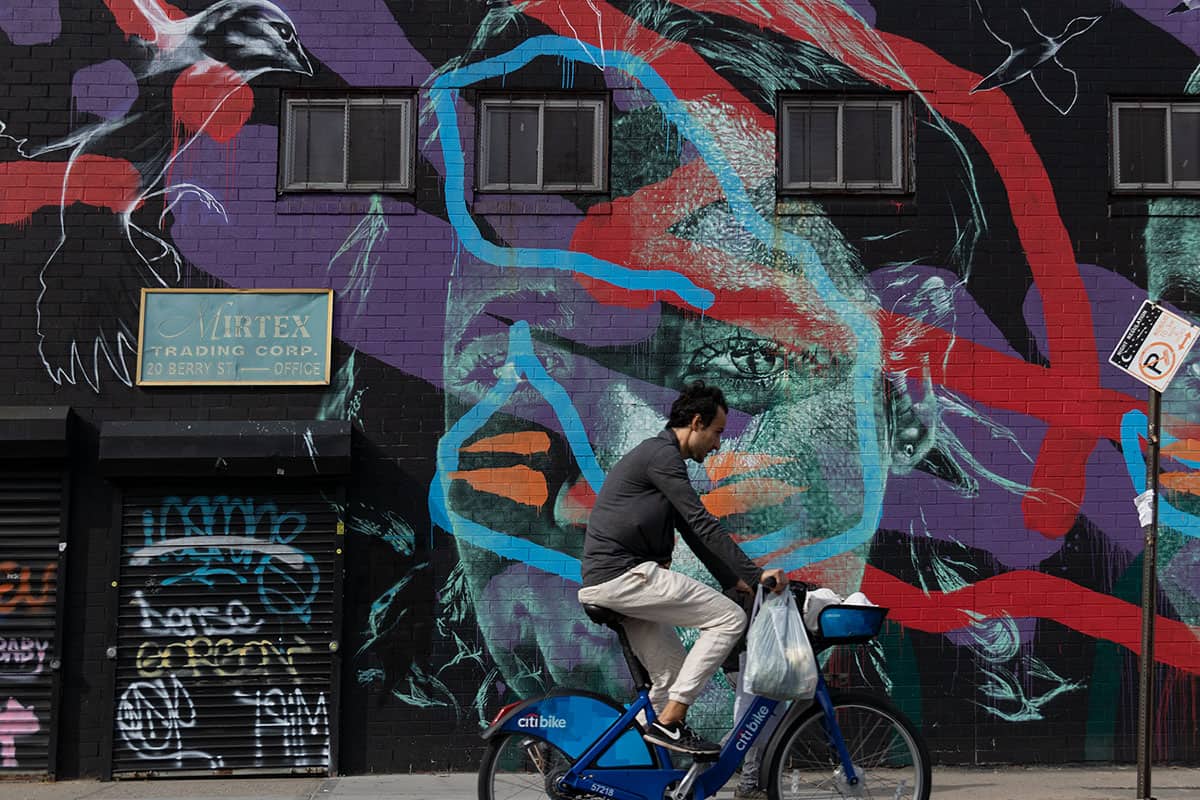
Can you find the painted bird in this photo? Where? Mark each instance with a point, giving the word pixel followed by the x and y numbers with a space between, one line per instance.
pixel 1035 56
pixel 116 174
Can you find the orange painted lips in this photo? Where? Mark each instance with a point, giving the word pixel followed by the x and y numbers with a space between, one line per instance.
pixel 1186 481
pixel 519 483
pixel 747 494
pixel 527 486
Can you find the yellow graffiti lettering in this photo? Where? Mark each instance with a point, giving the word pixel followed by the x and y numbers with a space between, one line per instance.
pixel 204 656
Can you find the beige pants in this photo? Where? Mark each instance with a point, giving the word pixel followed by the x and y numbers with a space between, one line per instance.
pixel 655 601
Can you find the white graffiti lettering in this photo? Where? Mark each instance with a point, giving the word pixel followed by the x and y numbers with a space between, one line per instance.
pixel 192 621
pixel 151 716
pixel 22 657
pixel 302 731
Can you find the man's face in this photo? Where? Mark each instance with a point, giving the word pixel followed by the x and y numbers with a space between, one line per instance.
pixel 705 439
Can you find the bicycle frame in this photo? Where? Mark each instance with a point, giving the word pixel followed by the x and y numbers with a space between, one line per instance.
pixel 702 781
pixel 638 771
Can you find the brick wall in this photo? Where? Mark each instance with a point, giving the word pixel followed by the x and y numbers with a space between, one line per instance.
pixel 922 407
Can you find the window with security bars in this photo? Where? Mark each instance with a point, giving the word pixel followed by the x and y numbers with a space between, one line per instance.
pixel 543 144
pixel 356 143
pixel 1156 146
pixel 848 144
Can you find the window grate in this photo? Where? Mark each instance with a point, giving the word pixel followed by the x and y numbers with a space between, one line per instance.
pixel 351 144
pixel 542 144
pixel 842 144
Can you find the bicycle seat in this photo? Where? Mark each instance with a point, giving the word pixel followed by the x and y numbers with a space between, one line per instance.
pixel 602 616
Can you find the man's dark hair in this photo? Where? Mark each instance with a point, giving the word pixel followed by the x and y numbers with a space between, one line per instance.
pixel 697 398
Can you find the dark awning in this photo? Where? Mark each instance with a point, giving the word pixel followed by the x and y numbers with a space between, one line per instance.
pixel 276 448
pixel 34 431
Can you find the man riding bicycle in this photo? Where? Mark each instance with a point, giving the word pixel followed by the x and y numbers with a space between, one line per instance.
pixel 627 551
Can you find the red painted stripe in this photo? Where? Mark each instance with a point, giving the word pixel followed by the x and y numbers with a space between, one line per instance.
pixel 26 186
pixel 1027 594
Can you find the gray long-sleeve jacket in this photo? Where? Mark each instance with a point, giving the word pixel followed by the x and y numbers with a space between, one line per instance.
pixel 645 497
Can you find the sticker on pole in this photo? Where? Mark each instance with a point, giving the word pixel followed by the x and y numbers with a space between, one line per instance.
pixel 1154 345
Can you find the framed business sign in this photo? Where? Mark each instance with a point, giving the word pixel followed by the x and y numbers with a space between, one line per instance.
pixel 192 337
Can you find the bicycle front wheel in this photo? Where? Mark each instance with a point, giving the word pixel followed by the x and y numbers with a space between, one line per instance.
pixel 889 756
pixel 517 767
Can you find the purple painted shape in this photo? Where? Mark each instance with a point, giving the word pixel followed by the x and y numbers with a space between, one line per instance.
pixel 864 9
pixel 1185 27
pixel 361 41
pixel 993 520
pixel 28 22
pixel 1026 628
pixel 932 295
pixel 1114 300
pixel 107 89
pixel 402 323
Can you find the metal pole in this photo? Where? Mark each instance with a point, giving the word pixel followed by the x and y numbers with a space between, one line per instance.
pixel 1145 733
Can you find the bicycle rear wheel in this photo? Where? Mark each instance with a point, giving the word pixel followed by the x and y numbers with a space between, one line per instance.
pixel 889 755
pixel 517 767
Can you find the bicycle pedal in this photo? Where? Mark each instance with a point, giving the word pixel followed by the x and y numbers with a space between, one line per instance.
pixel 704 757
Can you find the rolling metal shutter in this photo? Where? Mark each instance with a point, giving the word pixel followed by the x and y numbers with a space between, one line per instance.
pixel 227 630
pixel 31 545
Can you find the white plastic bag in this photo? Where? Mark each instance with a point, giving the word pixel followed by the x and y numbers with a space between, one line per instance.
pixel 815 600
pixel 779 659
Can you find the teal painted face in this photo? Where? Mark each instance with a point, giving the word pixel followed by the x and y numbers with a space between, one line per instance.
pixel 787 474
pixel 549 380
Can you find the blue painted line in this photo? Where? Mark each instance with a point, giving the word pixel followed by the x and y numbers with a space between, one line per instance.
pixel 521 363
pixel 1135 424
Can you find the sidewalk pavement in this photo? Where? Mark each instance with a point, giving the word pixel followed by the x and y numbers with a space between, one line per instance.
pixel 990 783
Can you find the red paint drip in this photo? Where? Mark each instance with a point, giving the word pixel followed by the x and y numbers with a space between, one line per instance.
pixel 26 186
pixel 209 98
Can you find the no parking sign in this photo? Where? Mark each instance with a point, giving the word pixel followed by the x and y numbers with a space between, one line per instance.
pixel 1154 345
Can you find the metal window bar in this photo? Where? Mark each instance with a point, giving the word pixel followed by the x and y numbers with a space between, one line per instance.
pixel 383 104
pixel 303 110
pixel 345 144
pixel 1140 147
pixel 540 145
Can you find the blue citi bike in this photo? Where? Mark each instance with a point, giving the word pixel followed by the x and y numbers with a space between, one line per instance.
pixel 578 745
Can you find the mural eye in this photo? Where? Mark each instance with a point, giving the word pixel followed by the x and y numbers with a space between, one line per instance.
pixel 755 358
pixel 739 357
pixel 285 31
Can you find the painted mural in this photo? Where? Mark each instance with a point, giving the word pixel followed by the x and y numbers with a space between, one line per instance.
pixel 922 407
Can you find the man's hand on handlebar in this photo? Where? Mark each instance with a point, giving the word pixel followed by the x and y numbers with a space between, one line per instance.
pixel 776 580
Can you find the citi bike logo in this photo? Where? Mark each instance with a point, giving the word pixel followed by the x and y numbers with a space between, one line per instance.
pixel 535 720
pixel 746 734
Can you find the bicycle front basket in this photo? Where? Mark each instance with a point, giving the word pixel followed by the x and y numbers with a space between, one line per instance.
pixel 840 624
